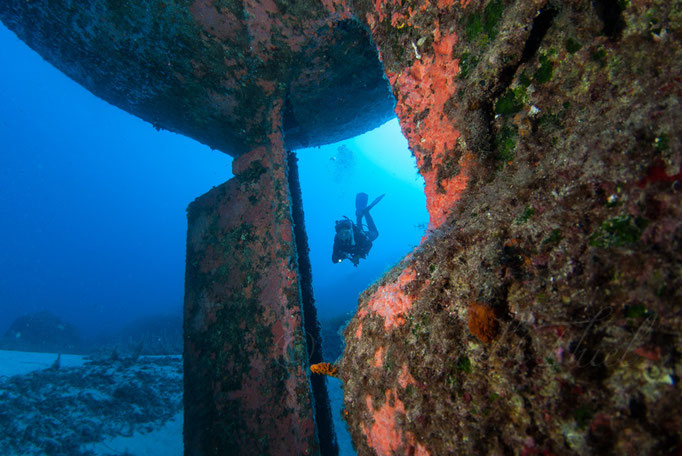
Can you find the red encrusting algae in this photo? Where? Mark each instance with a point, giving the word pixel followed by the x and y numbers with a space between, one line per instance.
pixel 426 87
pixel 379 357
pixel 422 92
pixel 390 302
pixel 385 436
pixel 405 378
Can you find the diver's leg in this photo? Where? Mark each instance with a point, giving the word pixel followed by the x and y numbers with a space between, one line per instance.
pixel 373 233
pixel 358 218
pixel 376 200
pixel 361 201
pixel 360 205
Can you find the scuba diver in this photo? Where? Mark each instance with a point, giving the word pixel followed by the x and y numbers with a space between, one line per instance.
pixel 352 241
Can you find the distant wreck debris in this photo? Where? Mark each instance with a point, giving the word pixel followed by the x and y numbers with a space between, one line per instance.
pixel 42 332
pixel 57 363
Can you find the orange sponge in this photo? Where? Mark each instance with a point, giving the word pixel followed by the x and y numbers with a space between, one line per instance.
pixel 482 323
pixel 325 369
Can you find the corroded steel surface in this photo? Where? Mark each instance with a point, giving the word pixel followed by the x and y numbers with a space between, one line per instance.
pixel 212 69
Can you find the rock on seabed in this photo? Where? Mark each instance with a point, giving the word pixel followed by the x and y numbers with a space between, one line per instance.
pixel 551 154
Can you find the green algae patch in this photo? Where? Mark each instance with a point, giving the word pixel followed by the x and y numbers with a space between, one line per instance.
pixel 661 143
pixel 244 233
pixel 467 62
pixel 635 311
pixel 252 173
pixel 550 120
pixel 544 73
pixel 473 27
pixel 509 103
pixel 619 231
pixel 506 143
pixel 524 80
pixel 526 215
pixel 583 415
pixel 463 364
pixel 599 56
pixel 573 45
pixel 476 24
pixel 554 237
pixel 491 17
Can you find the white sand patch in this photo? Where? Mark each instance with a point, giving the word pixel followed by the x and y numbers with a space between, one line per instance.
pixel 165 441
pixel 21 363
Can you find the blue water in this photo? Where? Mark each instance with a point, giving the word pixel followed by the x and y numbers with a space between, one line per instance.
pixel 376 162
pixel 92 201
pixel 92 205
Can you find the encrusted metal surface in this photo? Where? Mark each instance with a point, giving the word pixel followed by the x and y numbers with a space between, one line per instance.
pixel 212 70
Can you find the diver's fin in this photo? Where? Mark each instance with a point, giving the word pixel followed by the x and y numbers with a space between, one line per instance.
pixel 361 201
pixel 376 200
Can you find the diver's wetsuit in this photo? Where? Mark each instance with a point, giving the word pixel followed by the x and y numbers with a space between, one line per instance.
pixel 372 232
pixel 351 241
